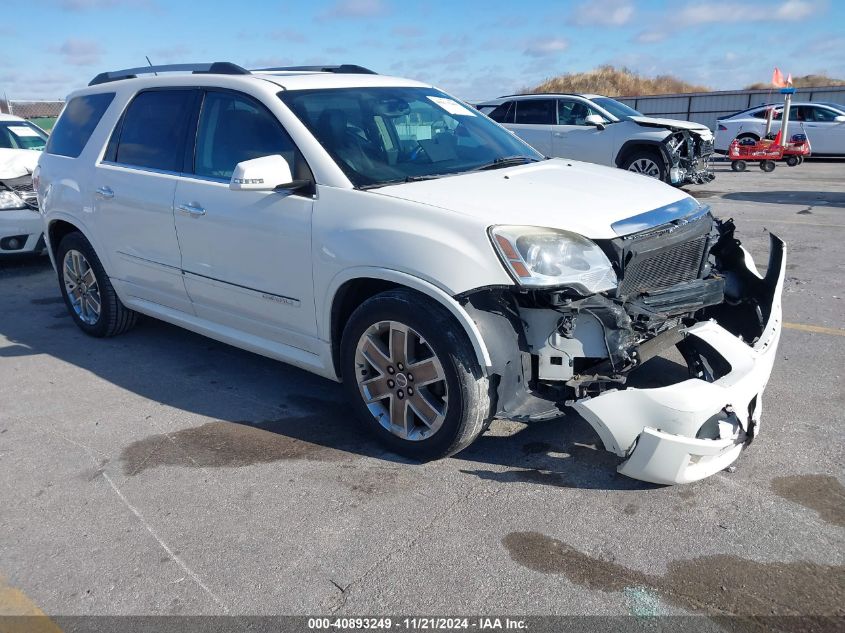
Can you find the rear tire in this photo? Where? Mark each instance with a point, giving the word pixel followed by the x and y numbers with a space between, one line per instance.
pixel 743 137
pixel 739 165
pixel 435 413
pixel 767 165
pixel 647 162
pixel 88 293
pixel 792 161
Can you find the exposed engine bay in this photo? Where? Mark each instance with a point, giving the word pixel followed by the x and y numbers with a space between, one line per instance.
pixel 687 283
pixel 689 155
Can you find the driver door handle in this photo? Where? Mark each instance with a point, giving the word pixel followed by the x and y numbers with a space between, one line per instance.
pixel 105 192
pixel 191 209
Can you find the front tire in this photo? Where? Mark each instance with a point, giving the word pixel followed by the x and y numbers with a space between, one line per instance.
pixel 413 376
pixel 648 163
pixel 88 293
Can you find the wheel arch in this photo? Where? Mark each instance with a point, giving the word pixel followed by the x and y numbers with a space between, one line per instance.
pixel 351 288
pixel 60 226
pixel 629 147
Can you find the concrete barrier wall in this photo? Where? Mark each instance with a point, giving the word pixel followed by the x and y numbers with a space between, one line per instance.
pixel 706 107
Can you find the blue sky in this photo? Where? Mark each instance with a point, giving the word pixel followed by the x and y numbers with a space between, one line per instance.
pixel 474 49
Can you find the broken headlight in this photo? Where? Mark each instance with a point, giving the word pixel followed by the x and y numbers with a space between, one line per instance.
pixel 539 258
pixel 9 200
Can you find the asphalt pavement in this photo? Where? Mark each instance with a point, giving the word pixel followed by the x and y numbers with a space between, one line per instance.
pixel 161 472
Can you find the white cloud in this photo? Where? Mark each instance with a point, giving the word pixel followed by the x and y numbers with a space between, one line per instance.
pixel 354 9
pixel 288 35
pixel 650 37
pixel 724 12
pixel 608 13
pixel 170 54
pixel 266 62
pixel 408 31
pixel 80 52
pixel 78 6
pixel 547 47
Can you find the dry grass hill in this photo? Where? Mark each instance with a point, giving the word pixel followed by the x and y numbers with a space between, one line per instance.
pixel 616 82
pixel 623 82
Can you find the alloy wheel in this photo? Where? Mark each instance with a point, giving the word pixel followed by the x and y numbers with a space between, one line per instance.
pixel 646 167
pixel 401 380
pixel 82 287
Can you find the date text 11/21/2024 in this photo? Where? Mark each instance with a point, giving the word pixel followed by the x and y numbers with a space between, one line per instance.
pixel 418 624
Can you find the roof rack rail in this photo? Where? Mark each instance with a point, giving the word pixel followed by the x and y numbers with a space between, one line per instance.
pixel 341 69
pixel 215 68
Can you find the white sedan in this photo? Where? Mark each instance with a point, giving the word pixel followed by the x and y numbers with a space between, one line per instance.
pixel 823 123
pixel 21 143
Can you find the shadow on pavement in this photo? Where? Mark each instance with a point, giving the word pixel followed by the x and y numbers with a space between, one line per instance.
pixel 261 410
pixel 810 198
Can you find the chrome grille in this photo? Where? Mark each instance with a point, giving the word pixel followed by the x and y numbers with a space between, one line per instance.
pixel 663 268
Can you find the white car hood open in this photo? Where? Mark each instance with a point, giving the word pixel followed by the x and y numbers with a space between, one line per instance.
pixel 558 193
pixel 692 126
pixel 15 163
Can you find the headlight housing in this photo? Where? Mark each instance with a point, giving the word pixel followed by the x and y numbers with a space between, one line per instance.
pixel 9 200
pixel 539 257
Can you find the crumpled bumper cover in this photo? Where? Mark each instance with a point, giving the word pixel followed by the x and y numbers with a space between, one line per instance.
pixel 656 428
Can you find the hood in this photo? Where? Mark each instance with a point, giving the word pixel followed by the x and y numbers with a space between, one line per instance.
pixel 15 163
pixel 565 194
pixel 672 124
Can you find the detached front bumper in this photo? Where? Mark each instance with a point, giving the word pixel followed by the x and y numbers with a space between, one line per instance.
pixel 693 429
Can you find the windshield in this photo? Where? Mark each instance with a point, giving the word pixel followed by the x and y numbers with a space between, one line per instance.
pixel 617 109
pixel 21 135
pixel 388 135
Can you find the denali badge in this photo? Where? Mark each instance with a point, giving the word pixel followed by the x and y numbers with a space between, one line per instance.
pixel 279 299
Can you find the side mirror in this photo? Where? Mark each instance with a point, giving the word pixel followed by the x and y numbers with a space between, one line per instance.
pixel 840 118
pixel 594 120
pixel 266 173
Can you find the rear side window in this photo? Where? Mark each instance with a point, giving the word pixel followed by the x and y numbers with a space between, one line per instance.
pixel 234 128
pixel 503 113
pixel 73 129
pixel 537 111
pixel 153 130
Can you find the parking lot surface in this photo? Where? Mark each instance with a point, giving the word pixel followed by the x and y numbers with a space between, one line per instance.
pixel 161 472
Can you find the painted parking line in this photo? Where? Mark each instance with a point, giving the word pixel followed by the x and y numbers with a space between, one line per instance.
pixel 816 329
pixel 19 614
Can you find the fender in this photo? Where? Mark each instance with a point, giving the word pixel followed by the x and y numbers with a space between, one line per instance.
pixel 628 145
pixel 415 283
pixel 56 216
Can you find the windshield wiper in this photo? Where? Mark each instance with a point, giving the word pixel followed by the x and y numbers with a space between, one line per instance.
pixel 506 161
pixel 387 183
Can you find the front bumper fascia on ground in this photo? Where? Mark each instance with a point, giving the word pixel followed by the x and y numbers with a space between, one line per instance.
pixel 658 430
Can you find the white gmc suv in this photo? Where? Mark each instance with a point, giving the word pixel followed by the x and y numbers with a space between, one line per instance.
pixel 377 231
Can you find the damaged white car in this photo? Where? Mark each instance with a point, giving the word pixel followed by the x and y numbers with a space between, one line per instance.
pixel 21 143
pixel 605 131
pixel 376 230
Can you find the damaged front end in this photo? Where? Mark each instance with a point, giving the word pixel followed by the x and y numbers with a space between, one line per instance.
pixel 688 154
pixel 686 283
